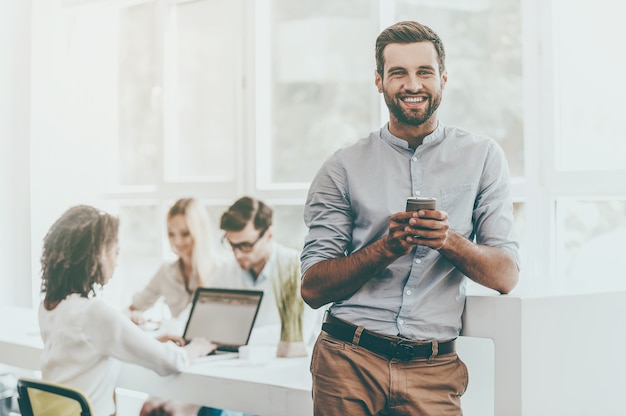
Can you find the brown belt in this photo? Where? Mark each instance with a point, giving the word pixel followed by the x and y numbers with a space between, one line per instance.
pixel 387 346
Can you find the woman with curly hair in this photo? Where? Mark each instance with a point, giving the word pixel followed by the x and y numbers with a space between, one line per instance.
pixel 84 338
pixel 190 237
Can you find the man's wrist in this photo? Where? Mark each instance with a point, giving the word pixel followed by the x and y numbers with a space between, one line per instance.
pixel 392 250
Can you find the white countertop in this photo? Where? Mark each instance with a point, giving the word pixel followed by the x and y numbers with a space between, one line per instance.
pixel 557 354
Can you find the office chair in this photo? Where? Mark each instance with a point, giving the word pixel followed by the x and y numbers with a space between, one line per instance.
pixel 44 398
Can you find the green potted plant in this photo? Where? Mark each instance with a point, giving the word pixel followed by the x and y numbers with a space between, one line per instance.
pixel 290 306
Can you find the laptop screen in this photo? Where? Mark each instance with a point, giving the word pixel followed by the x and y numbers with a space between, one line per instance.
pixel 223 316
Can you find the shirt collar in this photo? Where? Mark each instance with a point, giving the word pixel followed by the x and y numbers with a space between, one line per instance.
pixel 267 269
pixel 402 144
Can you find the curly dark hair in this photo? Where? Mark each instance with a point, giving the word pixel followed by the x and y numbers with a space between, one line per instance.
pixel 70 259
pixel 408 32
pixel 244 210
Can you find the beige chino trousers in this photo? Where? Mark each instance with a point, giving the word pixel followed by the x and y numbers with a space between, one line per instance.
pixel 350 380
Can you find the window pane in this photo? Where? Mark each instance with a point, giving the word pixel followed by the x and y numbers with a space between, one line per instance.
pixel 80 144
pixel 215 214
pixel 519 214
pixel 289 228
pixel 140 117
pixel 591 236
pixel 322 83
pixel 590 124
pixel 484 93
pixel 208 43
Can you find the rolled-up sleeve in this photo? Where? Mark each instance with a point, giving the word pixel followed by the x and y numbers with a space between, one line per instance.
pixel 494 224
pixel 328 215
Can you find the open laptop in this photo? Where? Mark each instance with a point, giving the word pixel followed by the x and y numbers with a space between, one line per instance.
pixel 223 316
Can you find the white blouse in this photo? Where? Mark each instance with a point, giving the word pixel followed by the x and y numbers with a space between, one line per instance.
pixel 83 341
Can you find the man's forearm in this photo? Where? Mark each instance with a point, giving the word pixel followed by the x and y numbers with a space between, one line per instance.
pixel 489 266
pixel 335 279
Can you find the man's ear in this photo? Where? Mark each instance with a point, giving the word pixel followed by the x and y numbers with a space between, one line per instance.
pixel 378 80
pixel 444 79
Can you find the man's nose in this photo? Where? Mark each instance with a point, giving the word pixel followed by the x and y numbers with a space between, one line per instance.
pixel 413 83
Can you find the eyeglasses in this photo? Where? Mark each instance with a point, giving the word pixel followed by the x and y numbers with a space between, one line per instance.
pixel 244 247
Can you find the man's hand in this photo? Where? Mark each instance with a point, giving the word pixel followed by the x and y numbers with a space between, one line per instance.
pixel 335 279
pixel 428 228
pixel 396 241
pixel 424 227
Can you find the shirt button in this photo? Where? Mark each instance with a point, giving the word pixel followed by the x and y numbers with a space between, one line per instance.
pixel 408 292
pixel 418 193
pixel 418 261
pixel 401 321
pixel 414 159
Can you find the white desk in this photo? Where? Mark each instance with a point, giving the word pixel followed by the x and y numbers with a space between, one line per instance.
pixel 554 355
pixel 274 387
pixel 280 387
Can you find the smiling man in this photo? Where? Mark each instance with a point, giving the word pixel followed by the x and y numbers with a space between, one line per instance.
pixel 396 279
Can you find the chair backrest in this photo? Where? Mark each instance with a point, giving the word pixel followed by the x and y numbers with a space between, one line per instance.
pixel 43 398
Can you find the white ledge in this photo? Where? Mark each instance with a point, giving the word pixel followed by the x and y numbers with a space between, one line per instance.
pixel 553 354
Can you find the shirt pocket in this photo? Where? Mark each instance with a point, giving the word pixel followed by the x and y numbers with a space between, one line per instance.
pixel 458 202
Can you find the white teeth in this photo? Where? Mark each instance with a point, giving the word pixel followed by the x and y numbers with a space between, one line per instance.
pixel 413 99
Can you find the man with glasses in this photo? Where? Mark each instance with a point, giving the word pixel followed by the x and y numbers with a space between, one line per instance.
pixel 247 227
pixel 247 231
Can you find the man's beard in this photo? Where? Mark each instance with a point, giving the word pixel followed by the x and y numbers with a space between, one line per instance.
pixel 408 116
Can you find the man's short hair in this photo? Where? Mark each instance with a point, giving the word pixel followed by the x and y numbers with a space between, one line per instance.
pixel 244 210
pixel 408 32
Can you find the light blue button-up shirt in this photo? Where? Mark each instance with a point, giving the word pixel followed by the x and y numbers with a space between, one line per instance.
pixel 421 295
pixel 229 275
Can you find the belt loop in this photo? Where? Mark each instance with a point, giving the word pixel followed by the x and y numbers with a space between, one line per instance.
pixel 326 314
pixel 357 337
pixel 435 347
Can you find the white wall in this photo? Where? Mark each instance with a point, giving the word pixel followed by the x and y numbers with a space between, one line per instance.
pixel 15 235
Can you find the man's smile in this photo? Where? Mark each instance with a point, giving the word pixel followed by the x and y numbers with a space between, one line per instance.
pixel 413 99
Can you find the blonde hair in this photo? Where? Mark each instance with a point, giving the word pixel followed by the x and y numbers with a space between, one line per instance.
pixel 200 227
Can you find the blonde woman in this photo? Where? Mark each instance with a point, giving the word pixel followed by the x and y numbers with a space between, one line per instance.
pixel 190 237
pixel 84 338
